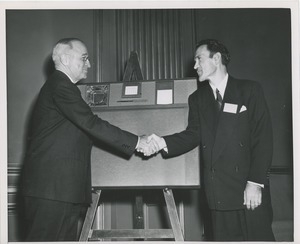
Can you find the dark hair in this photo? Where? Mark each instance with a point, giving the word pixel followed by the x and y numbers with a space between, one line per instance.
pixel 214 46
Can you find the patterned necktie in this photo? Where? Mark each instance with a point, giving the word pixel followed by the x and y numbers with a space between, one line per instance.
pixel 219 99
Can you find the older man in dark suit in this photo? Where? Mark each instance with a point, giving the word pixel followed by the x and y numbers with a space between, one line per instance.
pixel 230 121
pixel 56 181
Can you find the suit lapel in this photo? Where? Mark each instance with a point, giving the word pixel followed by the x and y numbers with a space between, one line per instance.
pixel 208 106
pixel 227 121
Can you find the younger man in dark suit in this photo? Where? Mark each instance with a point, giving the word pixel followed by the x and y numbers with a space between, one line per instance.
pixel 230 121
pixel 56 182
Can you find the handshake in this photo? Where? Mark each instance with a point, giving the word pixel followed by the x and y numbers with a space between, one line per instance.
pixel 149 145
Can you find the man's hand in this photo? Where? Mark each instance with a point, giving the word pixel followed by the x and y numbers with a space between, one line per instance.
pixel 149 145
pixel 252 196
pixel 157 141
pixel 145 146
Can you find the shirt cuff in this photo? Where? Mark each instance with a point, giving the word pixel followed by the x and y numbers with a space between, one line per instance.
pixel 261 185
pixel 138 142
pixel 165 148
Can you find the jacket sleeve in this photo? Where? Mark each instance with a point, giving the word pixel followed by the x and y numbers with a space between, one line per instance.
pixel 182 142
pixel 68 99
pixel 261 136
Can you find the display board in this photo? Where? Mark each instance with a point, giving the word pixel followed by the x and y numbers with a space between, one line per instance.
pixel 112 170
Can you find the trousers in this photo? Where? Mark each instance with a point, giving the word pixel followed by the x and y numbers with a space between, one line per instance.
pixel 244 224
pixel 48 220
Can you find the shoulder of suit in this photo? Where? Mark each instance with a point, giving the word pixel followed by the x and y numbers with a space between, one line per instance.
pixel 244 83
pixel 201 86
pixel 58 81
pixel 194 95
pixel 59 76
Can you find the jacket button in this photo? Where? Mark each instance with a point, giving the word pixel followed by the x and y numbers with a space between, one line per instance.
pixel 213 170
pixel 241 144
pixel 204 147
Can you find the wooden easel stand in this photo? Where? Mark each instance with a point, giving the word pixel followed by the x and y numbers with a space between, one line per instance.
pixel 89 234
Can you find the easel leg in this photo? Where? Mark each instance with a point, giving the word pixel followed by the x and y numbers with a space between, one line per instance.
pixel 90 215
pixel 173 215
pixel 139 213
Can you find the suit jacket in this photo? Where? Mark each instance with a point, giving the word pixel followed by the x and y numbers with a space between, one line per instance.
pixel 235 146
pixel 57 165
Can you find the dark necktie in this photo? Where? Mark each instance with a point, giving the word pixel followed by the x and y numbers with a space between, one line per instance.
pixel 219 99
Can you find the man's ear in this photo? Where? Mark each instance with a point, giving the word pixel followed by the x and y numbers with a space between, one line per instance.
pixel 64 59
pixel 217 58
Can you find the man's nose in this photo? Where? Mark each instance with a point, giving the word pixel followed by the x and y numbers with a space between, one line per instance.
pixel 88 64
pixel 196 65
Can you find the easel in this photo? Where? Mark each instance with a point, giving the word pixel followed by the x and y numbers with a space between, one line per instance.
pixel 133 72
pixel 89 234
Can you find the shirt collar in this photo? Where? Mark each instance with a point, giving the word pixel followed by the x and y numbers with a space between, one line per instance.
pixel 221 86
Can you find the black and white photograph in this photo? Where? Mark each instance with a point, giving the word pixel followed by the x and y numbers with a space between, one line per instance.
pixel 147 121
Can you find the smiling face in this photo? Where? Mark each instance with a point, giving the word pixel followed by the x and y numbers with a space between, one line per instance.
pixel 204 64
pixel 78 62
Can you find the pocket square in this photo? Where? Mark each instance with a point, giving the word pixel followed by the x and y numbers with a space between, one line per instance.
pixel 243 108
pixel 230 108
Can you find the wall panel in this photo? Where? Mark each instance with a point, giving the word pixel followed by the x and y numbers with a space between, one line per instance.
pixel 154 34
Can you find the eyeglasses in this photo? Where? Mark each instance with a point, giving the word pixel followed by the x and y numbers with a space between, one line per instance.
pixel 85 59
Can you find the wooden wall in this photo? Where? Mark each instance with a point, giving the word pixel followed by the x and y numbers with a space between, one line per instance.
pixel 259 41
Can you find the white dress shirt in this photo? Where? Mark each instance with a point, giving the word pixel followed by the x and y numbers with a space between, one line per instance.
pixel 221 87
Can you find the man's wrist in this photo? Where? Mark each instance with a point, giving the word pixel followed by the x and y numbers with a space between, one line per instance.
pixel 254 183
pixel 164 145
pixel 138 142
